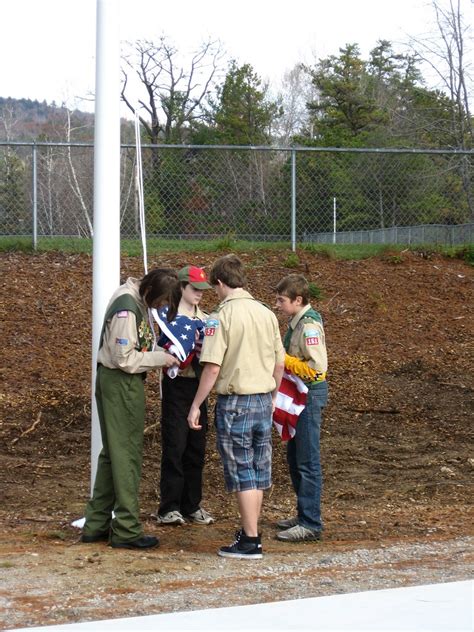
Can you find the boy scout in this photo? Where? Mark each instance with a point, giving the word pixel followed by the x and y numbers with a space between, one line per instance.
pixel 243 358
pixel 124 356
pixel 305 357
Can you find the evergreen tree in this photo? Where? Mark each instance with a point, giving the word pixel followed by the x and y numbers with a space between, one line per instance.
pixel 242 112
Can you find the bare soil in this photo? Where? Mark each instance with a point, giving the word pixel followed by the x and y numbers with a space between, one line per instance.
pixel 396 446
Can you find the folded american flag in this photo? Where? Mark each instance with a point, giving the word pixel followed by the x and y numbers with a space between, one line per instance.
pixel 181 337
pixel 290 403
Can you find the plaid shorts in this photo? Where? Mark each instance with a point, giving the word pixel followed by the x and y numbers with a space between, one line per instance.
pixel 244 440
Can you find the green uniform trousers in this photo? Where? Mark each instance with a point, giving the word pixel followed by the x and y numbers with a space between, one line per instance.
pixel 120 401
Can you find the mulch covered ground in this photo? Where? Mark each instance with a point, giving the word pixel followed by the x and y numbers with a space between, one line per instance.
pixel 397 434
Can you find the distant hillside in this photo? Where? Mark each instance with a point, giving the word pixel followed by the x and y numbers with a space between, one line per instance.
pixel 27 120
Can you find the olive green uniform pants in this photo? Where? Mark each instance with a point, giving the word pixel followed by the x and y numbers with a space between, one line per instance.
pixel 120 401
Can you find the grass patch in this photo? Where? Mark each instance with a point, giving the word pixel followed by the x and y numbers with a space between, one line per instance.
pixel 466 253
pixel 7 564
pixel 349 252
pixel 315 291
pixel 228 243
pixel 16 244
pixel 292 260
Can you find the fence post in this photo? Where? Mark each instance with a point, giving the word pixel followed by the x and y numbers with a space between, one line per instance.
pixel 293 200
pixel 34 189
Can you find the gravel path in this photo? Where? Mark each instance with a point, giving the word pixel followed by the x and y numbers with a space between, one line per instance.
pixel 78 583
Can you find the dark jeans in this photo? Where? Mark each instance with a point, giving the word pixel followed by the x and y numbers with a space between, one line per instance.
pixel 183 449
pixel 303 456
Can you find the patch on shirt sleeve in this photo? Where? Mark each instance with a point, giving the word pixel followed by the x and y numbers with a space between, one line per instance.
pixel 211 326
pixel 311 337
pixel 121 341
pixel 122 314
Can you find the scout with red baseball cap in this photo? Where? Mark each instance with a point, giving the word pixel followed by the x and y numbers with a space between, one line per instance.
pixel 194 276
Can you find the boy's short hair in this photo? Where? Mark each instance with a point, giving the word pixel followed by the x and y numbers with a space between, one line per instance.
pixel 294 285
pixel 229 270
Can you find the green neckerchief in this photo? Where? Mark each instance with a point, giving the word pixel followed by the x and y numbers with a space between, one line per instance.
pixel 309 316
pixel 287 338
pixel 128 303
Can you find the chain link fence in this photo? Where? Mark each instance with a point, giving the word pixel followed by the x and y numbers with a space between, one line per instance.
pixel 253 193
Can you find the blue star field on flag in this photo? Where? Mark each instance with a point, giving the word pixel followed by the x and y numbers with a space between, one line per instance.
pixel 180 336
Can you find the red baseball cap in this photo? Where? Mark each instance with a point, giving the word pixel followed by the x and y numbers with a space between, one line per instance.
pixel 194 276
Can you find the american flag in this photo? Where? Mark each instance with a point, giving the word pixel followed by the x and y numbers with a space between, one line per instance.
pixel 290 403
pixel 181 337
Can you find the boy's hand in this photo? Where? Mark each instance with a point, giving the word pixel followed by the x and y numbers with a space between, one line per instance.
pixel 170 360
pixel 193 418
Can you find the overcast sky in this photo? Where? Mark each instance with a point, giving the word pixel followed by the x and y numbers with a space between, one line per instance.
pixel 47 47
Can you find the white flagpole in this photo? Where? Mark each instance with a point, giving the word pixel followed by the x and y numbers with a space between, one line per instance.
pixel 106 242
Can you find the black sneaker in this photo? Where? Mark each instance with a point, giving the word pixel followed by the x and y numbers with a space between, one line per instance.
pixel 244 547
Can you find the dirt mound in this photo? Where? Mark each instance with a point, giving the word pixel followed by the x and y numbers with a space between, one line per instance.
pixel 396 435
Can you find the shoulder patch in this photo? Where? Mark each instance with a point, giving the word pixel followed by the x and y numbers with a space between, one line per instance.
pixel 311 335
pixel 122 314
pixel 210 326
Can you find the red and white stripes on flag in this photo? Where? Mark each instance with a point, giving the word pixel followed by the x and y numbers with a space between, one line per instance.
pixel 290 403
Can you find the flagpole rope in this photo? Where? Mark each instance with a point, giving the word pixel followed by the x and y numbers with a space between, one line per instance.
pixel 141 210
pixel 139 187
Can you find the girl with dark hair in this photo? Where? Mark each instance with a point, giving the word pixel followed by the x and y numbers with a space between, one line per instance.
pixel 183 449
pixel 126 352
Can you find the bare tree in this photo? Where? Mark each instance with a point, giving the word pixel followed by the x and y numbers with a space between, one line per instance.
pixel 175 94
pixel 84 224
pixel 447 53
pixel 8 121
pixel 297 91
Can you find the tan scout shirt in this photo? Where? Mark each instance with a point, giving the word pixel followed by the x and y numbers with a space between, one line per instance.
pixel 119 347
pixel 243 338
pixel 189 370
pixel 308 342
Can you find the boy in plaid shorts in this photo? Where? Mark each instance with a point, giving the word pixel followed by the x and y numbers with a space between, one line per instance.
pixel 243 358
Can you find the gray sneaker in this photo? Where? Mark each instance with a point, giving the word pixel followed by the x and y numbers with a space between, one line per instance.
pixel 288 523
pixel 172 517
pixel 200 516
pixel 298 533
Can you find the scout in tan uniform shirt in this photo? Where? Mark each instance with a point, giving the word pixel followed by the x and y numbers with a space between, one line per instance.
pixel 307 343
pixel 125 340
pixel 243 357
pixel 124 356
pixel 245 333
pixel 306 357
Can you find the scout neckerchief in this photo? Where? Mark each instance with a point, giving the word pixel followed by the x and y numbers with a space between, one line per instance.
pixel 309 316
pixel 144 332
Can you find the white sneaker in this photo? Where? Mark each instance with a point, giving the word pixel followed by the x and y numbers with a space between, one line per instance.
pixel 288 523
pixel 172 517
pixel 298 533
pixel 200 516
